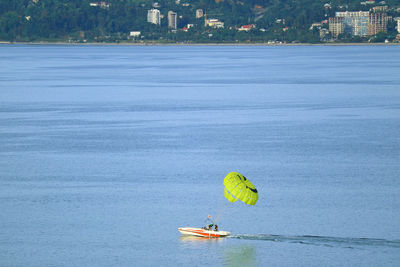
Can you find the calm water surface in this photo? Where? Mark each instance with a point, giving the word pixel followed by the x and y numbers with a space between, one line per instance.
pixel 106 150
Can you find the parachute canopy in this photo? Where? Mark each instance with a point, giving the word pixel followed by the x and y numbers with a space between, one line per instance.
pixel 238 187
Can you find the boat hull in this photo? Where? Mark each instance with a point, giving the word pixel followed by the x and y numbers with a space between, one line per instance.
pixel 202 232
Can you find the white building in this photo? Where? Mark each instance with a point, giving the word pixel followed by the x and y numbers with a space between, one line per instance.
pixel 355 23
pixel 134 34
pixel 199 13
pixel 153 16
pixel 214 23
pixel 172 20
pixel 101 4
pixel 398 25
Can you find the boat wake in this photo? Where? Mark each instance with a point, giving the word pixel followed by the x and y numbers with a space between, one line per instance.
pixel 323 240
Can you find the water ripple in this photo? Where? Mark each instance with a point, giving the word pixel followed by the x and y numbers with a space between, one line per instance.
pixel 347 242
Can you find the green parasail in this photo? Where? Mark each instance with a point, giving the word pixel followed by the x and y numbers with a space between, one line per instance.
pixel 238 187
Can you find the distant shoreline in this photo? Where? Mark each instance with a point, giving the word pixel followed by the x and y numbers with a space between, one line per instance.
pixel 195 44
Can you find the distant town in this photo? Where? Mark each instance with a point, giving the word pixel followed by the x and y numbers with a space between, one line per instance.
pixel 213 21
pixel 352 23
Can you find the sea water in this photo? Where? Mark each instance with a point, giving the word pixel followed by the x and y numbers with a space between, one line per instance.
pixel 106 150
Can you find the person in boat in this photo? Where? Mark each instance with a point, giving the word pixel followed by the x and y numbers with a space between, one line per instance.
pixel 209 223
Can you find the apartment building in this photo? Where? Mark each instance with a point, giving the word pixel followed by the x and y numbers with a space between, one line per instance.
pixel 355 23
pixel 153 16
pixel 199 13
pixel 336 26
pixel 172 20
pixel 378 20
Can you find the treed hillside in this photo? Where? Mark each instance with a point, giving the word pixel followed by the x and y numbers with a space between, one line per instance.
pixel 77 20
